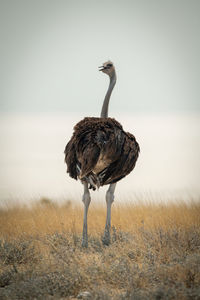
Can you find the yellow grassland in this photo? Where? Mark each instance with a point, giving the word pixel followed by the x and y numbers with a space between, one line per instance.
pixel 154 252
pixel 46 217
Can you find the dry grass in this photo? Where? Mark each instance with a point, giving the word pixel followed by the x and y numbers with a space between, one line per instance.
pixel 155 252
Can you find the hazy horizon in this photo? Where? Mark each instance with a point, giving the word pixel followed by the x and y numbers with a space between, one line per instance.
pixel 32 158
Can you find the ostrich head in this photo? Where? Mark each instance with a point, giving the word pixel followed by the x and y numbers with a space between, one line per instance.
pixel 108 68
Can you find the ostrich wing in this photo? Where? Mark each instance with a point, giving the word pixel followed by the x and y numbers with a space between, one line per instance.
pixel 124 164
pixel 81 154
pixel 73 165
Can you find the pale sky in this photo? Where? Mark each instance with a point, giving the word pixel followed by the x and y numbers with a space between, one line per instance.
pixel 50 52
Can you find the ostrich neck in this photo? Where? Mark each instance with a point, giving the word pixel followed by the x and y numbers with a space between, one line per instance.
pixel 104 111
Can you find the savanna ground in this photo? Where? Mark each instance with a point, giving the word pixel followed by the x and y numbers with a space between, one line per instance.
pixel 154 254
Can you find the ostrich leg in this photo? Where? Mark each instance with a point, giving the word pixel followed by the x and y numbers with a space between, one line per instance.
pixel 86 200
pixel 109 201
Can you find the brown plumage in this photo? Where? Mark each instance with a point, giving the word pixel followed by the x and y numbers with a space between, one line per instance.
pixel 100 152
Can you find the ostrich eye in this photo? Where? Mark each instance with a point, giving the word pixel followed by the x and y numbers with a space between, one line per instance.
pixel 109 65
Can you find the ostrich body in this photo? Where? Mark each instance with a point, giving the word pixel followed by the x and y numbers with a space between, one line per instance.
pixel 100 152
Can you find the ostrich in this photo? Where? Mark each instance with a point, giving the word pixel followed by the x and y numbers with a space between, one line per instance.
pixel 100 152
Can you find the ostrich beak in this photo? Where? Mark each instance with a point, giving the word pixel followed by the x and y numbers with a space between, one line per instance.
pixel 102 68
